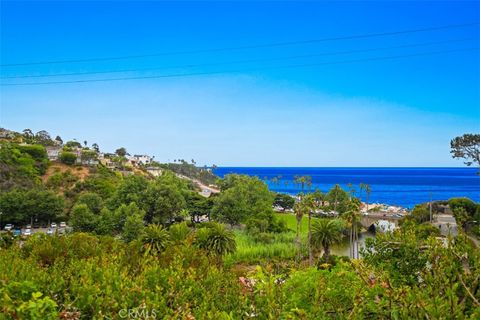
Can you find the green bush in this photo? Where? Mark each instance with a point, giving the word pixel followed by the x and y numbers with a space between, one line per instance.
pixel 68 158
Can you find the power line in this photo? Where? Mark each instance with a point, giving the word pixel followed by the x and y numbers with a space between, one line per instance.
pixel 238 61
pixel 275 44
pixel 178 75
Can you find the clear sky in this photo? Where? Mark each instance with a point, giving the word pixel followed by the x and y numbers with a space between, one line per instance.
pixel 391 100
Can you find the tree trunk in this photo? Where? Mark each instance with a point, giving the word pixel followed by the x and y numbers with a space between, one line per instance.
pixel 367 201
pixel 351 242
pixel 326 252
pixel 310 255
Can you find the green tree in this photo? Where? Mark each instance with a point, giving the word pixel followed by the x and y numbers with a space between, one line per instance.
pixel 121 152
pixel 68 158
pixel 325 233
pixel 134 228
pixel 466 147
pixel 215 240
pixel 179 232
pixel 155 239
pixel 284 201
pixel 165 199
pixel 242 197
pixel 108 223
pixel 58 140
pixel 132 188
pixel 21 207
pixel 73 144
pixel 96 147
pixel 338 199
pixel 82 219
pixel 93 201
pixel 122 213
pixel 43 137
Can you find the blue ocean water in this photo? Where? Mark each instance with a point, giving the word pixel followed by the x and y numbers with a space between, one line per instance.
pixel 394 186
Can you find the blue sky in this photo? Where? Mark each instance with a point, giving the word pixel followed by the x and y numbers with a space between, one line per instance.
pixel 393 112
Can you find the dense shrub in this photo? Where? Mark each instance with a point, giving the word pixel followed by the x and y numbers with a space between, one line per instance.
pixel 68 158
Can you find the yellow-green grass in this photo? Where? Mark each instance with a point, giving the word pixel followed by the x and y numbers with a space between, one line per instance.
pixel 282 245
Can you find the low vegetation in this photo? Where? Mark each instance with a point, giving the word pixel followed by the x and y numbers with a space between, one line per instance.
pixel 144 247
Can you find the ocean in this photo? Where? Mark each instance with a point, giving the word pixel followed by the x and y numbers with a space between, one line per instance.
pixel 394 186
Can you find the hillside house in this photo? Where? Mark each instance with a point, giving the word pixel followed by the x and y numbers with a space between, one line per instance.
pixel 140 160
pixel 154 171
pixel 6 134
pixel 53 153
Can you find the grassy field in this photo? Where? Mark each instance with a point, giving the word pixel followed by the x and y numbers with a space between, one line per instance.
pixel 282 245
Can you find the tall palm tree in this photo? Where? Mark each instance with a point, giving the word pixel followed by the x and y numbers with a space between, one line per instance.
pixel 361 187
pixel 351 218
pixel 298 210
pixel 309 205
pixel 336 190
pixel 325 233
pixel 367 191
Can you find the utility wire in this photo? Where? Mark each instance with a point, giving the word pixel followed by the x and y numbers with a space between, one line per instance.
pixel 178 75
pixel 238 61
pixel 274 44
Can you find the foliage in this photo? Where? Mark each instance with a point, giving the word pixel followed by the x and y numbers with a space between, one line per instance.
pixel 93 201
pixel 21 166
pixel 468 205
pixel 283 201
pixel 215 240
pixel 242 198
pixel 190 170
pixel 68 158
pixel 96 277
pixel 165 199
pixel 338 199
pixel 466 147
pixel 20 206
pixel 134 227
pixel 82 218
pixel 179 232
pixel 325 233
pixel 155 239
pixel 121 152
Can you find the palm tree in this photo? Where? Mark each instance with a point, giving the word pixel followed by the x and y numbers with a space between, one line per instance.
pixel 325 233
pixel 351 217
pixel 336 190
pixel 361 187
pixel 216 240
pixel 155 239
pixel 367 191
pixel 309 205
pixel 179 232
pixel 298 210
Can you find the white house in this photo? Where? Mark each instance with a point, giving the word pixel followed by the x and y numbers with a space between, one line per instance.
pixel 141 159
pixel 53 152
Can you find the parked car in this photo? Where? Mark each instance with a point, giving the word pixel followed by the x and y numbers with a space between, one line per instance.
pixel 63 225
pixel 8 227
pixel 27 232
pixel 50 231
pixel 29 226
pixel 17 232
pixel 53 225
